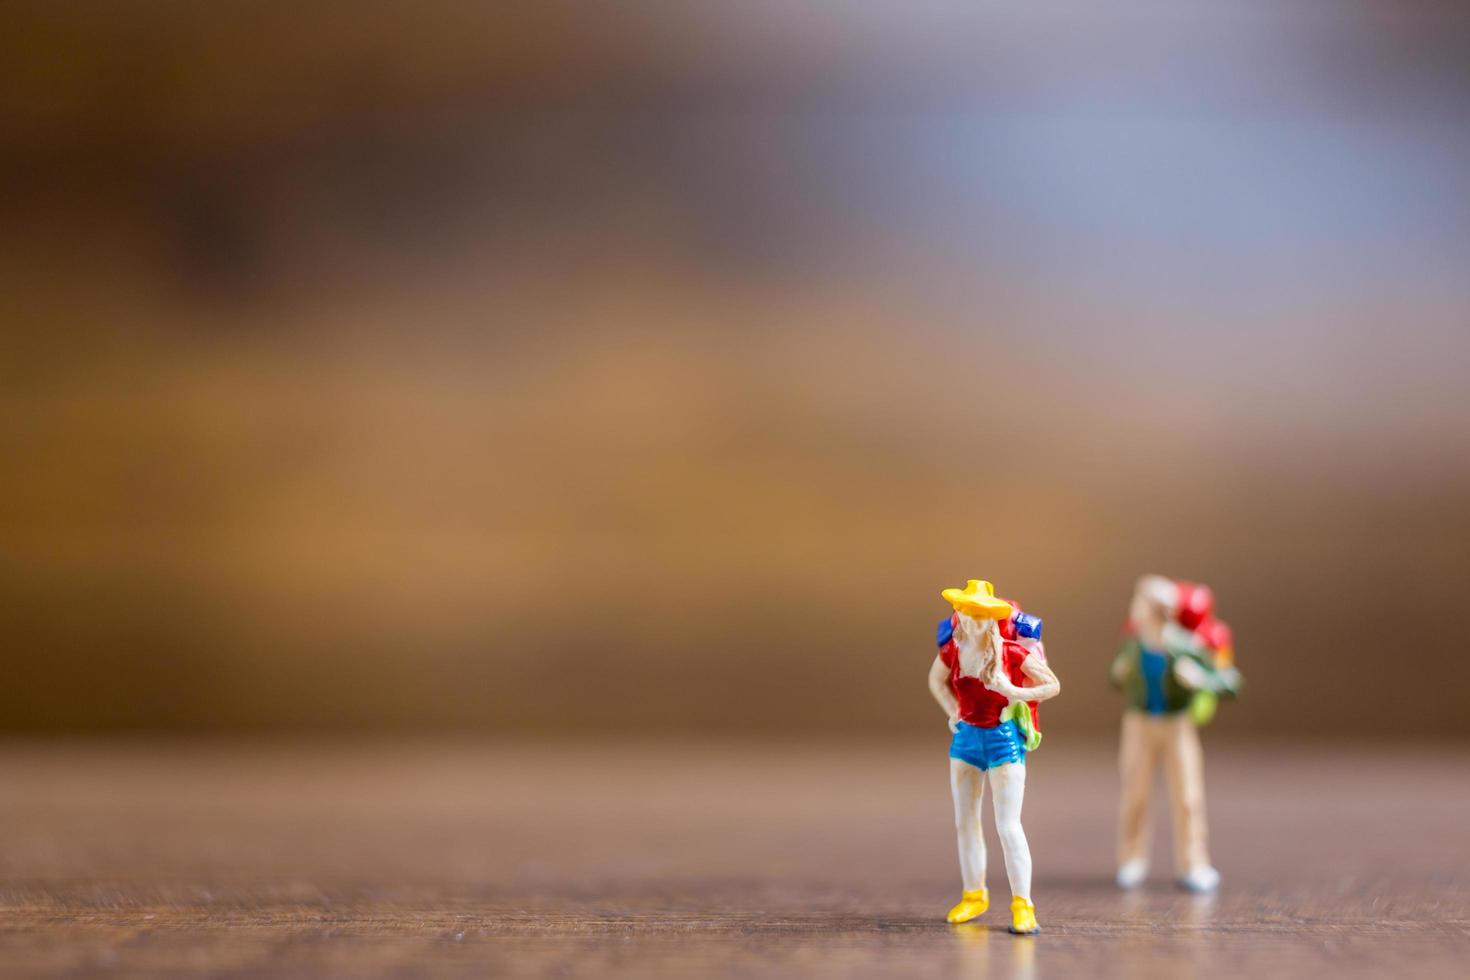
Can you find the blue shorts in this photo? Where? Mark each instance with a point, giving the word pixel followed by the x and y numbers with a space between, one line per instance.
pixel 986 748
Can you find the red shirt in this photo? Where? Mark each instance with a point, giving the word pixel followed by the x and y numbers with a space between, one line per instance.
pixel 979 705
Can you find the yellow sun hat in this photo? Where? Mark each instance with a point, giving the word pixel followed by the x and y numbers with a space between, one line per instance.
pixel 978 599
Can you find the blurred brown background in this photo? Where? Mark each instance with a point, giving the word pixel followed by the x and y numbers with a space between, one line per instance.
pixel 652 366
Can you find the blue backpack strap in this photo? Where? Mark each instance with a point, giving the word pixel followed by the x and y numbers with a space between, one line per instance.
pixel 1027 625
pixel 946 630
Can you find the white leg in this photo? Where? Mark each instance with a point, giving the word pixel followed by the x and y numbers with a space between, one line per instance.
pixel 968 786
pixel 1008 784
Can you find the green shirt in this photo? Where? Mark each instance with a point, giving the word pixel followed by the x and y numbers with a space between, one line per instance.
pixel 1127 675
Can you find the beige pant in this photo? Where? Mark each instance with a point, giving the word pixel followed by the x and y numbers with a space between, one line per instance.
pixel 1174 741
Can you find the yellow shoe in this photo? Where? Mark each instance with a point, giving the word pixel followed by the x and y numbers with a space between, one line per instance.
pixel 971 905
pixel 1023 917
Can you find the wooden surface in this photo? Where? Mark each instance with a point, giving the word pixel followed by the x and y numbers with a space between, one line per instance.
pixel 684 859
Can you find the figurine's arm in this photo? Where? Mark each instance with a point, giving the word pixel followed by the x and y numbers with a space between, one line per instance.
pixel 939 687
pixel 1044 686
pixel 1123 662
pixel 1194 674
pixel 1194 663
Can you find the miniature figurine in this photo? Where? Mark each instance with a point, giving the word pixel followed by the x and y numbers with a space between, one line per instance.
pixel 989 676
pixel 1176 661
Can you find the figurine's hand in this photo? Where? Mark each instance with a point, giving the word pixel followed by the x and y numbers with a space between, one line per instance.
pixel 1191 674
pixel 954 724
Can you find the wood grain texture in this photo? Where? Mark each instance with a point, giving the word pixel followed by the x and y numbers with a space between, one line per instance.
pixel 682 859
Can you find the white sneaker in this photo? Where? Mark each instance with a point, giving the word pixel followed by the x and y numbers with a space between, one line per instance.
pixel 1202 880
pixel 1131 873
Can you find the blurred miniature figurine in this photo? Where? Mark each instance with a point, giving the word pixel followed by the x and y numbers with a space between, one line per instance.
pixel 990 673
pixel 1175 663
